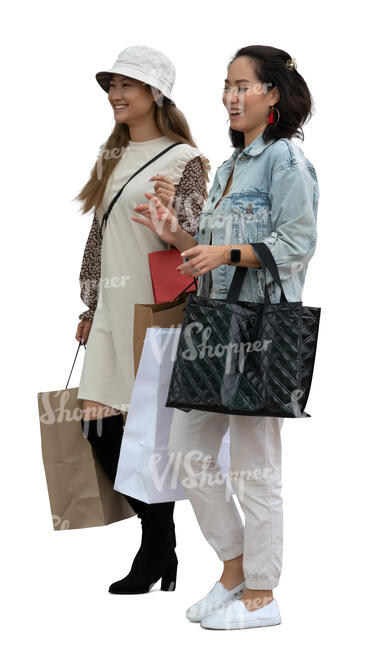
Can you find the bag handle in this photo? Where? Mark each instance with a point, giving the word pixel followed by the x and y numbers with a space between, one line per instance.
pixel 76 354
pixel 267 261
pixel 184 290
pixel 106 214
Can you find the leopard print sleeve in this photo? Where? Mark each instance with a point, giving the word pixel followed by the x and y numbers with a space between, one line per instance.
pixel 189 196
pixel 187 203
pixel 89 277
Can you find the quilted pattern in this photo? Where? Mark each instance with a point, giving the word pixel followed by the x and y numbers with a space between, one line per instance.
pixel 245 358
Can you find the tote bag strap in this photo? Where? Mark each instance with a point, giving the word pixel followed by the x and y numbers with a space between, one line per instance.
pixel 267 261
pixel 106 214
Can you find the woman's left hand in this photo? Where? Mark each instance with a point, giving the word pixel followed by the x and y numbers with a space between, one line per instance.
pixel 164 189
pixel 204 257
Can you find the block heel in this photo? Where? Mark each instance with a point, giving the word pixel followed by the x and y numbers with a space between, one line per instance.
pixel 169 580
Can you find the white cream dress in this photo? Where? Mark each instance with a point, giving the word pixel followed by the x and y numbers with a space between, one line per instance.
pixel 108 369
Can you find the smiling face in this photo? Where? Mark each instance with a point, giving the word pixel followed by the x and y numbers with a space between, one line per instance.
pixel 247 99
pixel 129 98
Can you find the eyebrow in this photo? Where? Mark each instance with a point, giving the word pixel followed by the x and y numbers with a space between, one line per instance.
pixel 237 80
pixel 124 79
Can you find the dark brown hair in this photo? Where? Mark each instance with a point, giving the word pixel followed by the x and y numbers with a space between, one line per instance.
pixel 295 104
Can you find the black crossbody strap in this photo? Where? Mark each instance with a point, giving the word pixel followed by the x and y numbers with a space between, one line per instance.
pixel 106 214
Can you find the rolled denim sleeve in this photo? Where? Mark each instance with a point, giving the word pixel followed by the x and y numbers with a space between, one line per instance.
pixel 294 198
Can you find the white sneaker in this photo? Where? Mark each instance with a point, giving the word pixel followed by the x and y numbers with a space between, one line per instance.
pixel 236 616
pixel 216 598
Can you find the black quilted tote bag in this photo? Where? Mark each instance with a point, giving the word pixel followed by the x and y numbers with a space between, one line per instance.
pixel 245 358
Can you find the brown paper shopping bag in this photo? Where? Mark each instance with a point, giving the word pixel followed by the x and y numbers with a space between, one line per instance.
pixel 80 493
pixel 162 314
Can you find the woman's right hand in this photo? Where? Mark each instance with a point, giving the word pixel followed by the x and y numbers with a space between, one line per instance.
pixel 83 330
pixel 160 219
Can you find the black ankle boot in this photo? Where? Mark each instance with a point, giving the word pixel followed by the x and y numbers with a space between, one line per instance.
pixel 156 557
pixel 147 568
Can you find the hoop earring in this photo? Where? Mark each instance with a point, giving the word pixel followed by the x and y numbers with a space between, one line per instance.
pixel 271 117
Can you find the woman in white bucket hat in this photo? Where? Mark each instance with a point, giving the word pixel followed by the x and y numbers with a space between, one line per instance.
pixel 147 122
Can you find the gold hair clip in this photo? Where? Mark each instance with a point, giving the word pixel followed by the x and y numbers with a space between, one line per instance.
pixel 291 64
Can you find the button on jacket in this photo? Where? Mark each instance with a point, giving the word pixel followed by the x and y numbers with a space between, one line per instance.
pixel 273 198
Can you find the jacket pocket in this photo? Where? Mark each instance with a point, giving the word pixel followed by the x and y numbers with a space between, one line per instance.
pixel 250 216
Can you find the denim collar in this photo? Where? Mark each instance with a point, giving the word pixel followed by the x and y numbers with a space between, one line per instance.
pixel 257 146
pixel 254 149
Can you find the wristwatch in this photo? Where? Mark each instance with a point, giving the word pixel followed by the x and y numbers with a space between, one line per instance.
pixel 234 255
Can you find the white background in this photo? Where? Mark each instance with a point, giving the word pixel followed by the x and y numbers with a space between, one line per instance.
pixel 55 116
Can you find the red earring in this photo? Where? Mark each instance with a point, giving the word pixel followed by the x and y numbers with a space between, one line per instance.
pixel 271 116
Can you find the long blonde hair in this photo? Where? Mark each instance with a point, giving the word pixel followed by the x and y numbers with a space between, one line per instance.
pixel 170 121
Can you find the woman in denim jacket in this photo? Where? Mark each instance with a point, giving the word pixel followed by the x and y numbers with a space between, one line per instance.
pixel 266 191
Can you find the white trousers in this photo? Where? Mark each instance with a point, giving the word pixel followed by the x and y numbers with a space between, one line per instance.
pixel 255 476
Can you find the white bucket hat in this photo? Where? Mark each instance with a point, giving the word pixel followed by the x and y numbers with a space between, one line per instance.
pixel 142 63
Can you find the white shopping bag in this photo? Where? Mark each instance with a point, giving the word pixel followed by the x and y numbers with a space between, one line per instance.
pixel 144 470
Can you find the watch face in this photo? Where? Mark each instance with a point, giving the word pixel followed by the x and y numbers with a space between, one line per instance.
pixel 235 255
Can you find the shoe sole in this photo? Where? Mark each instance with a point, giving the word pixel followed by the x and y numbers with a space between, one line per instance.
pixel 170 588
pixel 244 627
pixel 200 618
pixel 127 593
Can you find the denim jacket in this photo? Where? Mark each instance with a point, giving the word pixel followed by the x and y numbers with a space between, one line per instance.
pixel 273 198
